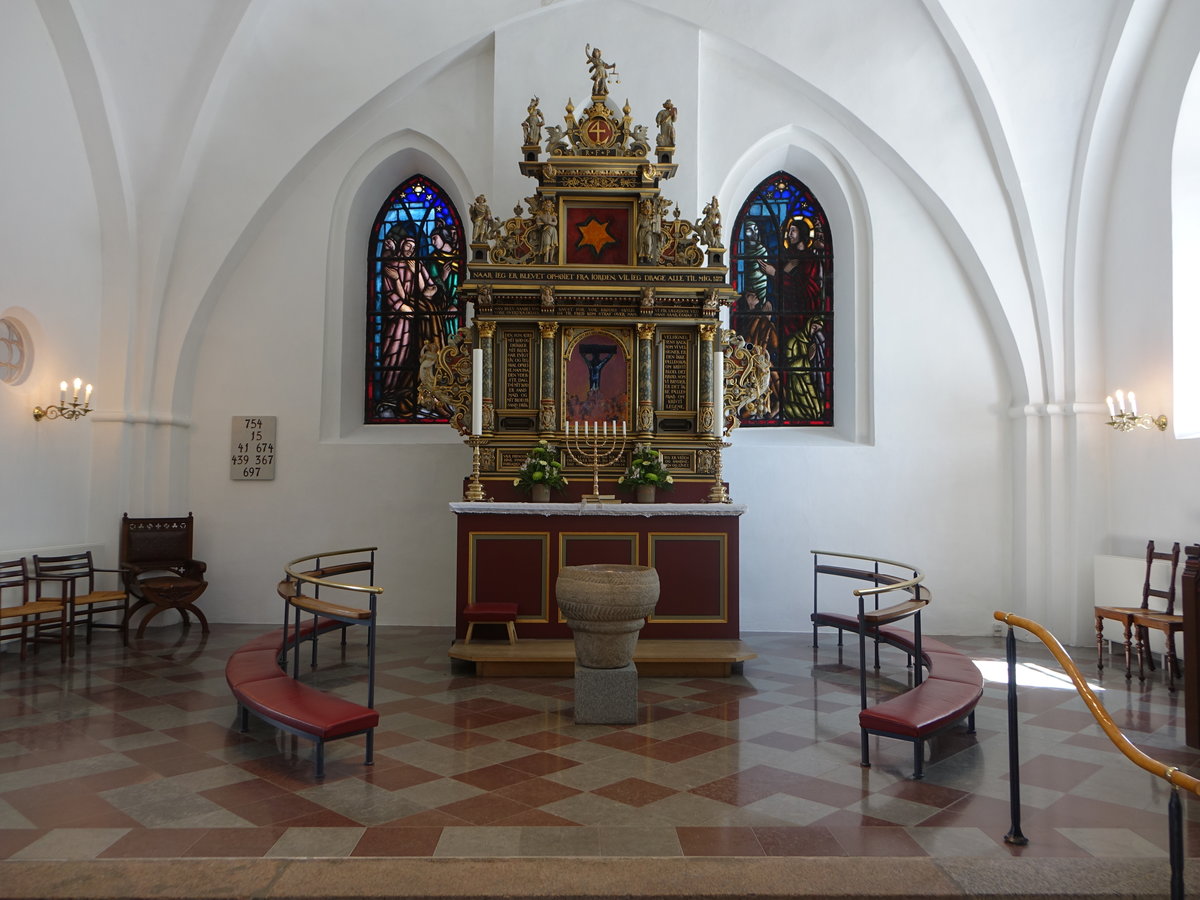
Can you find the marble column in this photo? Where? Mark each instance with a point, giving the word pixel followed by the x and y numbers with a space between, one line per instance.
pixel 548 419
pixel 645 381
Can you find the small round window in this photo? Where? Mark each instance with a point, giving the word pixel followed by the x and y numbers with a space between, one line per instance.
pixel 16 351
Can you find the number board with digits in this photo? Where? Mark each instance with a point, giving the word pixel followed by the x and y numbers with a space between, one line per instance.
pixel 252 448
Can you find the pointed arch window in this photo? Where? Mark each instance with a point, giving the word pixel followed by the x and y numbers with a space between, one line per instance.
pixel 416 261
pixel 781 262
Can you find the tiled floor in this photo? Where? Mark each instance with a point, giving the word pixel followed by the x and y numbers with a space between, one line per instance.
pixel 134 753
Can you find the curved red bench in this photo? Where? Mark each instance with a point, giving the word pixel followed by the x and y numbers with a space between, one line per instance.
pixel 948 685
pixel 949 692
pixel 262 687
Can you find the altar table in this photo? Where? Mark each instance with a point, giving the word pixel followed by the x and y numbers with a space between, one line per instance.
pixel 511 552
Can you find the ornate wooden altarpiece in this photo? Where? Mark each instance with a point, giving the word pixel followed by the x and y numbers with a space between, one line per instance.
pixel 596 303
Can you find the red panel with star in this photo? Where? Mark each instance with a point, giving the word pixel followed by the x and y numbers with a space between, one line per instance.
pixel 598 235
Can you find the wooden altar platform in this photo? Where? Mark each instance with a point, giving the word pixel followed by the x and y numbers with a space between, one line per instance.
pixel 556 658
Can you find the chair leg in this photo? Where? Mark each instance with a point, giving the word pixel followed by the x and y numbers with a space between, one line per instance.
pixel 918 759
pixel 1099 643
pixel 512 632
pixel 470 629
pixel 1172 662
pixel 1129 652
pixel 1141 650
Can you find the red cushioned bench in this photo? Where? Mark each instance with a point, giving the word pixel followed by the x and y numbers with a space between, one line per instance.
pixel 947 694
pixel 262 687
pixel 947 684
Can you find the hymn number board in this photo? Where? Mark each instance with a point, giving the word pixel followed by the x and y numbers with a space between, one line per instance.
pixel 252 448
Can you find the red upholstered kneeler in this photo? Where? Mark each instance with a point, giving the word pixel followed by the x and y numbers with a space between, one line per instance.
pixel 491 614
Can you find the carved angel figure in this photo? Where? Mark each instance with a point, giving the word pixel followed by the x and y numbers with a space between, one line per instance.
pixel 710 225
pixel 532 126
pixel 599 70
pixel 665 120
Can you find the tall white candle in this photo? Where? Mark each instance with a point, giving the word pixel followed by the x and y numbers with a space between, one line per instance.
pixel 1121 401
pixel 1112 409
pixel 78 385
pixel 62 393
pixel 1132 403
pixel 477 391
pixel 622 429
pixel 718 388
pixel 87 395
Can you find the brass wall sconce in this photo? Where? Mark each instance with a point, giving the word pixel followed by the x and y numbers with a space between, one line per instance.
pixel 65 410
pixel 1124 419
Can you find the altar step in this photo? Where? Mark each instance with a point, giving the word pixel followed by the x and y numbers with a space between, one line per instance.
pixel 556 658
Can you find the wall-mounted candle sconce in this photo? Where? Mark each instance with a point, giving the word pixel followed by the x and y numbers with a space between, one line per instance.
pixel 1124 419
pixel 65 410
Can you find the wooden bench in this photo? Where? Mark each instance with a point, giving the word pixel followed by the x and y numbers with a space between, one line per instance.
pixel 257 671
pixel 938 700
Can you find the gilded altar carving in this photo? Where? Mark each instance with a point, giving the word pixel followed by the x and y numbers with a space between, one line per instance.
pixel 605 297
pixel 747 379
pixel 445 380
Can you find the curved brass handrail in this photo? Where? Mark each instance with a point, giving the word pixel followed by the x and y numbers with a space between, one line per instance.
pixel 325 582
pixel 1170 774
pixel 882 589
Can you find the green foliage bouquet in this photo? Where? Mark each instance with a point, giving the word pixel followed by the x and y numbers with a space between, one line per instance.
pixel 541 467
pixel 646 467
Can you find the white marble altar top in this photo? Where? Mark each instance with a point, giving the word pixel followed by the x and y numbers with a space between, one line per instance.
pixel 599 509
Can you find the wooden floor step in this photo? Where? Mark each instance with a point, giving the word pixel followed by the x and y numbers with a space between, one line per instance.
pixel 556 658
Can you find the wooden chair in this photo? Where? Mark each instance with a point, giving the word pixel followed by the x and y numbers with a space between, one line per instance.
pixel 1165 621
pixel 30 615
pixel 156 558
pixel 86 602
pixel 1125 614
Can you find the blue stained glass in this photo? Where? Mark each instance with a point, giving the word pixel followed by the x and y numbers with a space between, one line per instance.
pixel 781 263
pixel 417 260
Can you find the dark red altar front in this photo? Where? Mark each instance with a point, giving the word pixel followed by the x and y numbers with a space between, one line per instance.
pixel 512 552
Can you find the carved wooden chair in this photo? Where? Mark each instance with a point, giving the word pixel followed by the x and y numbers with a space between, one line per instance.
pixel 1125 614
pixel 1165 621
pixel 160 572
pixel 28 615
pixel 75 575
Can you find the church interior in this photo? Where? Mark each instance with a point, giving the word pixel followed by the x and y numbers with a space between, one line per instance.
pixel 1008 195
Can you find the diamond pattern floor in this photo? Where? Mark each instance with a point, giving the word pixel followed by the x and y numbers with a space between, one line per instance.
pixel 134 753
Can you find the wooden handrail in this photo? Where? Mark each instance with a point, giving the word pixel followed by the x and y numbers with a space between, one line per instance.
pixel 906 585
pixel 1170 774
pixel 325 582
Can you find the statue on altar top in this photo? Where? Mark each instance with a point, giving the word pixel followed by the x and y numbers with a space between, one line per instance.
pixel 599 70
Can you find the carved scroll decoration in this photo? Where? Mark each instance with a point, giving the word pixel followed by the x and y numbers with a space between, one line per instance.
pixel 747 379
pixel 445 380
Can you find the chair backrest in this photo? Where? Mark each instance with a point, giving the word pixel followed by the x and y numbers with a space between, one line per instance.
pixel 14 575
pixel 1169 593
pixel 74 565
pixel 156 540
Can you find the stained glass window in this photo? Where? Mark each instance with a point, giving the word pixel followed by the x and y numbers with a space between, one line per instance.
pixel 416 261
pixel 781 262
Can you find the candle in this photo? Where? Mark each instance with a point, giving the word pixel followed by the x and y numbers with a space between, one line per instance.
pixel 477 391
pixel 62 393
pixel 576 428
pixel 78 385
pixel 622 430
pixel 1112 410
pixel 604 426
pixel 718 388
pixel 1121 401
pixel 87 395
pixel 1132 404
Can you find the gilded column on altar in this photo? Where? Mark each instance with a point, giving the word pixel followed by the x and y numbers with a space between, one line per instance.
pixel 548 420
pixel 645 379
